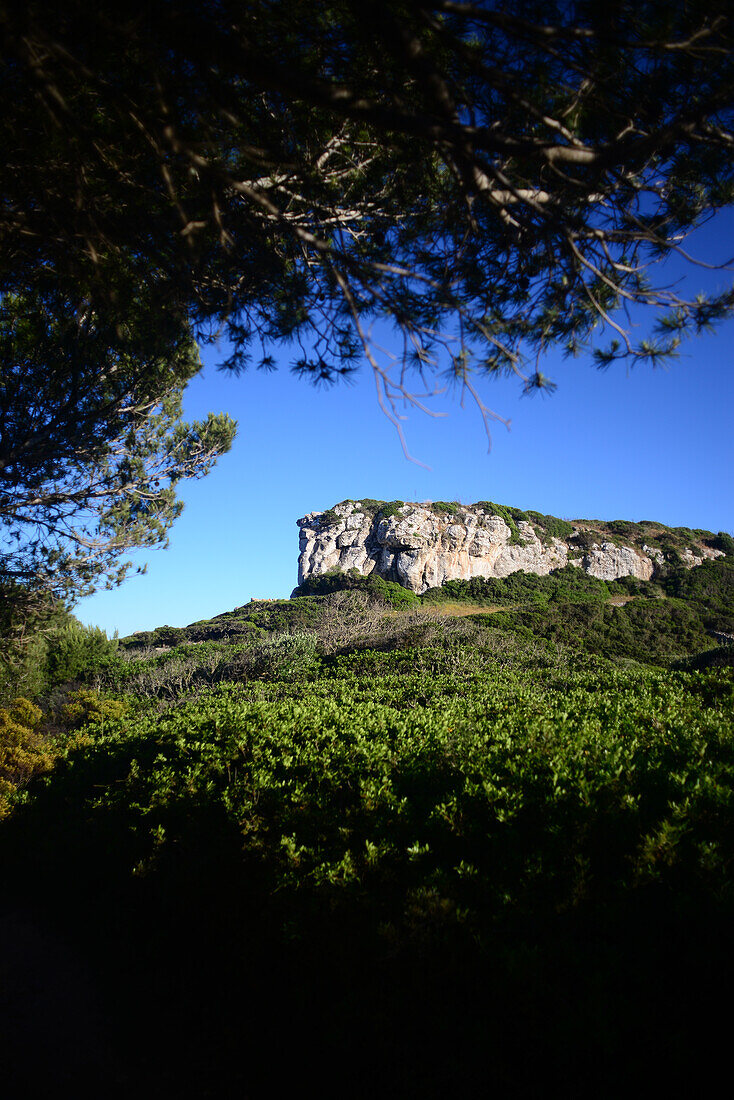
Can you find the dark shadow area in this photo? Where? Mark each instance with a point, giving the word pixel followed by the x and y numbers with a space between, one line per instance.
pixel 193 978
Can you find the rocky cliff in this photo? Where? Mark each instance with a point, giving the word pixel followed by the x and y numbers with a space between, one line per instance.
pixel 423 545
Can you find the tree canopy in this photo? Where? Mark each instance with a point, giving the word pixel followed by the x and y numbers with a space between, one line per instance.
pixel 92 444
pixel 490 180
pixel 499 178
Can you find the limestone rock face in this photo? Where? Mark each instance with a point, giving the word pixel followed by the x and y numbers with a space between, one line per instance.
pixel 608 562
pixel 421 548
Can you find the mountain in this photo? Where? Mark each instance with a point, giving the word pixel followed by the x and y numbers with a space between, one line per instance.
pixel 422 546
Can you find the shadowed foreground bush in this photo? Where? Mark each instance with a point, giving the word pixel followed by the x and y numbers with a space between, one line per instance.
pixel 416 885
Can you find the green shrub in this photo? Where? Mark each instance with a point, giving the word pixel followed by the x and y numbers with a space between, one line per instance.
pixel 169 635
pixel 25 713
pixel 281 657
pixel 23 667
pixel 650 631
pixel 722 541
pixel 140 640
pixel 708 589
pixel 24 752
pixel 28 620
pixel 568 583
pixel 85 706
pixel 586 539
pixel 624 528
pixel 335 580
pixel 550 526
pixel 392 508
pixel 479 796
pixel 390 592
pixel 514 797
pixel 75 651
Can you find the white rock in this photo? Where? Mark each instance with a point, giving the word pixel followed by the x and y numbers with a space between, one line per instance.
pixel 609 562
pixel 421 549
pixel 653 552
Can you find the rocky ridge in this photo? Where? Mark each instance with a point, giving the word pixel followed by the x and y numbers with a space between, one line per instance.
pixel 423 545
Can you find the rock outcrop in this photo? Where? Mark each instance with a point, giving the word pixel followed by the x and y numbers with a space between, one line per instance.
pixel 421 546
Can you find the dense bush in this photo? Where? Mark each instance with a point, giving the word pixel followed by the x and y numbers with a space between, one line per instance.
pixel 723 541
pixel 391 508
pixel 388 592
pixel 344 783
pixel 23 667
pixel 585 539
pixel 24 751
pixel 650 631
pixel 28 620
pixel 85 706
pixel 551 527
pixel 381 855
pixel 75 651
pixel 168 635
pixel 709 588
pixel 280 657
pixel 567 583
pixel 393 837
pixel 624 528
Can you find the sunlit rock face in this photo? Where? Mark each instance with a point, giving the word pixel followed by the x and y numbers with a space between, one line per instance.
pixel 421 548
pixel 607 562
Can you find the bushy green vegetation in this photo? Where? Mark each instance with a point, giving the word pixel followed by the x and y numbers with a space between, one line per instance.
pixel 648 631
pixel 24 752
pixel 381 508
pixel 724 542
pixel 75 649
pixel 445 507
pixel 568 583
pixel 471 839
pixel 392 508
pixel 334 580
pixel 551 527
pixel 412 786
pixel 57 649
pixel 400 829
pixel 709 589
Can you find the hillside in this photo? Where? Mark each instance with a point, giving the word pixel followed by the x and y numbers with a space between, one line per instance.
pixel 422 546
pixel 474 839
pixel 675 619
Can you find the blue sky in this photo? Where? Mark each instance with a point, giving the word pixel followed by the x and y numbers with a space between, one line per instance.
pixel 640 444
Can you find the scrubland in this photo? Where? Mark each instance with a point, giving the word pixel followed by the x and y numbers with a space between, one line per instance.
pixel 365 843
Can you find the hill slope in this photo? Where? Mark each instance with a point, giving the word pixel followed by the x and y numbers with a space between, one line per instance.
pixel 478 840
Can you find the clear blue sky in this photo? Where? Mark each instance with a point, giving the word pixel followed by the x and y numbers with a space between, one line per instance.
pixel 646 444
